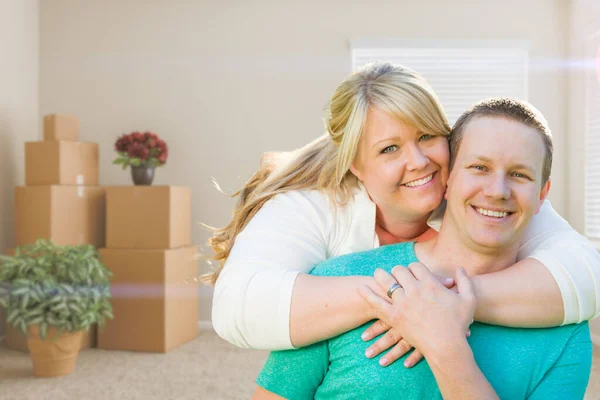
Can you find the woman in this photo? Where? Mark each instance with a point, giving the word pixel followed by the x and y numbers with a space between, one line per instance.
pixel 345 192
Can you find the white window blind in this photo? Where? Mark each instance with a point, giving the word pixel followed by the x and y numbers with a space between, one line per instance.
pixel 460 72
pixel 592 142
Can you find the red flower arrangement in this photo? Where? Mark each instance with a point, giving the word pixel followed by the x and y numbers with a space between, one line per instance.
pixel 141 149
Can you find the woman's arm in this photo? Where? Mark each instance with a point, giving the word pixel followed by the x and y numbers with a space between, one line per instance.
pixel 556 281
pixel 435 319
pixel 264 298
pixel 524 295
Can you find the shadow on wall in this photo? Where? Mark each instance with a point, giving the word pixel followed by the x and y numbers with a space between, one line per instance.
pixel 8 180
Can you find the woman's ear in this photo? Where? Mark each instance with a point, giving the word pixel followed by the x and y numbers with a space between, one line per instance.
pixel 356 171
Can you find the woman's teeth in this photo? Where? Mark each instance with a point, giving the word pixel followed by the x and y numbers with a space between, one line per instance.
pixel 490 213
pixel 420 182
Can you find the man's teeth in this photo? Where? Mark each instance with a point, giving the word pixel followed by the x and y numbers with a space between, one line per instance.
pixel 420 182
pixel 490 213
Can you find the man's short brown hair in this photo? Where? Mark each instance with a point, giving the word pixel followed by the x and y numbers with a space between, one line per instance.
pixel 513 110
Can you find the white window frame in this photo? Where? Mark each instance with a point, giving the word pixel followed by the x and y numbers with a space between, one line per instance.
pixel 380 48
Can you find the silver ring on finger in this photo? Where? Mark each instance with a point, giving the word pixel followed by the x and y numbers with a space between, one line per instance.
pixel 392 289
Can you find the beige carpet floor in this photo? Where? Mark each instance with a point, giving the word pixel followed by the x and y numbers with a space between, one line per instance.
pixel 206 368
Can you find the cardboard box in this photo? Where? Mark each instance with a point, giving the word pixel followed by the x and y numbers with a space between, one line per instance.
pixel 155 299
pixel 148 217
pixel 15 340
pixel 61 127
pixel 61 163
pixel 64 214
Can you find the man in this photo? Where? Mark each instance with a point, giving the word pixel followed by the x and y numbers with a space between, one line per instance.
pixel 501 161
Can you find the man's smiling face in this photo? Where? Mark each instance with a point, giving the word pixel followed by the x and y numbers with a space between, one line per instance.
pixel 495 186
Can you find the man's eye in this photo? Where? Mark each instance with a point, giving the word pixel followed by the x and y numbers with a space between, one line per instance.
pixel 479 167
pixel 520 175
pixel 426 136
pixel 389 149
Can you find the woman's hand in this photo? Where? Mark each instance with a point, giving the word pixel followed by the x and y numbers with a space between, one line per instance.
pixel 392 336
pixel 428 314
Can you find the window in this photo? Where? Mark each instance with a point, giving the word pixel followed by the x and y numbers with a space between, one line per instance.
pixel 592 141
pixel 460 72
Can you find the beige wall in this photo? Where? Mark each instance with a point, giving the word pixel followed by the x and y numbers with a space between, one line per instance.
pixel 19 111
pixel 224 82
pixel 584 23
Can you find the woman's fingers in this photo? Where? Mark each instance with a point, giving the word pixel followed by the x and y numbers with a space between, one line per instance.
pixel 396 352
pixel 386 341
pixel 404 277
pixel 380 306
pixel 375 330
pixel 413 359
pixel 386 281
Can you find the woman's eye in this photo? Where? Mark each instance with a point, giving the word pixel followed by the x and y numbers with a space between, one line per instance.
pixel 389 149
pixel 426 137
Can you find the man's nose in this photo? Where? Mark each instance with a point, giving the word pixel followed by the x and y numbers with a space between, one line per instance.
pixel 497 187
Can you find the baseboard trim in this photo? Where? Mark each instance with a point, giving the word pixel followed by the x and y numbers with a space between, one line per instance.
pixel 205 326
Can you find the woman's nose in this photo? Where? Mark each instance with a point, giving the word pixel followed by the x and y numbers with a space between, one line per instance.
pixel 416 159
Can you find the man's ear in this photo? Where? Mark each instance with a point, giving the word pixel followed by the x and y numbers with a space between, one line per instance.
pixel 356 172
pixel 543 194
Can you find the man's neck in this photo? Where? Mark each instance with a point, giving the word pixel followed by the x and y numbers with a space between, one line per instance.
pixel 449 251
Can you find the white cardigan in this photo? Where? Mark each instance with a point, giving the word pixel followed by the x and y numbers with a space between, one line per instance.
pixel 296 230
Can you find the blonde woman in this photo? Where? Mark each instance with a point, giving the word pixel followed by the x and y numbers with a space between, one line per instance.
pixel 365 183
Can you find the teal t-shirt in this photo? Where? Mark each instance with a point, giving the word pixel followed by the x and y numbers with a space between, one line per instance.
pixel 552 363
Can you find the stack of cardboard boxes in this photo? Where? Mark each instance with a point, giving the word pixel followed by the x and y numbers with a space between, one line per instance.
pixel 61 199
pixel 154 287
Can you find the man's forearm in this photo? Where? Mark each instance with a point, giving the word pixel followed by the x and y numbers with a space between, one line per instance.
pixel 523 295
pixel 324 307
pixel 457 373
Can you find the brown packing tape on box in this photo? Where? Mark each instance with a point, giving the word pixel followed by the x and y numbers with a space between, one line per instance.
pixel 15 339
pixel 61 163
pixel 148 217
pixel 154 299
pixel 67 215
pixel 61 127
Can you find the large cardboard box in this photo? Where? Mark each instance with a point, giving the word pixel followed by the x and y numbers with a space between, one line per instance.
pixel 148 217
pixel 64 214
pixel 61 163
pixel 15 340
pixel 155 299
pixel 61 127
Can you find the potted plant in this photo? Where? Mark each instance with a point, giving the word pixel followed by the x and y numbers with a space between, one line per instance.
pixel 52 294
pixel 143 152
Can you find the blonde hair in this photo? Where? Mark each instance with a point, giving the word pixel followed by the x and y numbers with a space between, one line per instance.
pixel 324 164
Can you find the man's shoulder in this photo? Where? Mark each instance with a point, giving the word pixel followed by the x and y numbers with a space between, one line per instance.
pixel 366 262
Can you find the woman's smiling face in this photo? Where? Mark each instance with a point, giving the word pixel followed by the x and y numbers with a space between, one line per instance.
pixel 404 170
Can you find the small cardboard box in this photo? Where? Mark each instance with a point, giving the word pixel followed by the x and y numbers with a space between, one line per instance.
pixel 148 217
pixel 154 299
pixel 15 340
pixel 61 163
pixel 64 214
pixel 61 127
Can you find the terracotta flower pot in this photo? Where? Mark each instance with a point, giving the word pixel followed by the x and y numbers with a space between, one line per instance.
pixel 54 356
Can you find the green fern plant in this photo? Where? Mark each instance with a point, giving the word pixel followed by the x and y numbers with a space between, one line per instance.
pixel 67 287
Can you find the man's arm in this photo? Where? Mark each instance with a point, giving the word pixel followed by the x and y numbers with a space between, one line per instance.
pixel 294 374
pixel 568 378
